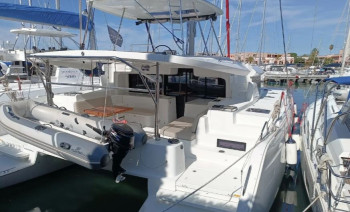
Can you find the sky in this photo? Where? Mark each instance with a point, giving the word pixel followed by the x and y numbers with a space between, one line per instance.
pixel 308 24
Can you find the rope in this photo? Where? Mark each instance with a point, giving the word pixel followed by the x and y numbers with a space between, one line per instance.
pixel 218 175
pixel 248 27
pixel 313 202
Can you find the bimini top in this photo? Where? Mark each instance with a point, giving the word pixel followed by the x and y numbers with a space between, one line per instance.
pixel 42 32
pixel 168 64
pixel 340 80
pixel 158 11
pixel 40 15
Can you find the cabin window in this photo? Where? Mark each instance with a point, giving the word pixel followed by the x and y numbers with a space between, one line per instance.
pixel 184 84
pixel 136 82
pixel 192 87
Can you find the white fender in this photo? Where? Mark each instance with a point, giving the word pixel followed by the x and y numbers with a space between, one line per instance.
pixel 291 153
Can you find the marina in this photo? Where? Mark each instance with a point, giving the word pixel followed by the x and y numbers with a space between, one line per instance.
pixel 164 117
pixel 95 190
pixel 300 78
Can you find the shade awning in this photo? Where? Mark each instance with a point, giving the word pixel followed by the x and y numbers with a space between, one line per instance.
pixel 339 80
pixel 155 11
pixel 39 15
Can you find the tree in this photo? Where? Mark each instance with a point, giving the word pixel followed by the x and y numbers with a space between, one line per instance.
pixel 313 58
pixel 250 59
pixel 299 60
pixel 295 55
pixel 328 60
pixel 331 48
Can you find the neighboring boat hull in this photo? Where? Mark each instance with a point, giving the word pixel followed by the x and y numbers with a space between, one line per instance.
pixel 44 164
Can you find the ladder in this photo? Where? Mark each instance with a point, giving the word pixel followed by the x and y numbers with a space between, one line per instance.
pixel 175 15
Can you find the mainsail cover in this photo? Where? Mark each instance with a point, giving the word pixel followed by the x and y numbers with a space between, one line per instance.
pixel 39 15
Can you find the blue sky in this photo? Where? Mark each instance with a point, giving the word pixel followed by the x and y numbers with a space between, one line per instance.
pixel 308 24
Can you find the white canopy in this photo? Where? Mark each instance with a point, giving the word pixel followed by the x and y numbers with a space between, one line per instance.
pixel 42 32
pixel 158 9
pixel 87 59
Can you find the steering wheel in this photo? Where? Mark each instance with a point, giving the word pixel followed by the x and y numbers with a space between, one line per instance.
pixel 163 46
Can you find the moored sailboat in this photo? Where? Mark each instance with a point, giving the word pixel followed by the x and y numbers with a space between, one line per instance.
pixel 325 150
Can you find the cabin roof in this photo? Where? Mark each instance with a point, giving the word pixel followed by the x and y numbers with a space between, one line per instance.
pixel 87 59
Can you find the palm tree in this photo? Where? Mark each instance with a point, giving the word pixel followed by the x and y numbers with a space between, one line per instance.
pixel 250 59
pixel 331 48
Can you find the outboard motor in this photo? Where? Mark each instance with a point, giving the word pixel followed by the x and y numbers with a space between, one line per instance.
pixel 121 138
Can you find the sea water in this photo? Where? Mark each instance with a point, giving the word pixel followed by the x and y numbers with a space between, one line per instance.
pixel 78 189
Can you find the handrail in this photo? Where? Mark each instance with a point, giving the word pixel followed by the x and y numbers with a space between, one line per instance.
pixel 98 86
pixel 332 125
pixel 262 131
pixel 313 130
pixel 338 199
pixel 335 174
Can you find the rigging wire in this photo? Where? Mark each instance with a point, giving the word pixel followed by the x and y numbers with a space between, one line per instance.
pixel 223 43
pixel 284 41
pixel 313 25
pixel 248 27
pixel 174 36
pixel 238 25
pixel 341 18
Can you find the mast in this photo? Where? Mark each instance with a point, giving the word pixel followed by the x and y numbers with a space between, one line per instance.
pixel 33 40
pixel 58 7
pixel 228 27
pixel 346 49
pixel 262 32
pixel 80 25
pixel 191 33
pixel 220 24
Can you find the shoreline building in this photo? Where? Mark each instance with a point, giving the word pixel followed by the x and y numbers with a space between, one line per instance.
pixel 337 58
pixel 266 58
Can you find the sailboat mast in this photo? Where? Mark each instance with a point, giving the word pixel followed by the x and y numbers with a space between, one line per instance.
pixel 58 7
pixel 220 25
pixel 31 26
pixel 80 24
pixel 346 49
pixel 262 33
pixel 228 27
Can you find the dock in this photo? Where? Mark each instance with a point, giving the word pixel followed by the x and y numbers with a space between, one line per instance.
pixel 296 78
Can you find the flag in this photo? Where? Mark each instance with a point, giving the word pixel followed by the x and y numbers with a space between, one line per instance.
pixel 115 37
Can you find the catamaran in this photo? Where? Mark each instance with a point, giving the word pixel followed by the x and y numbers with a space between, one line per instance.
pixel 214 142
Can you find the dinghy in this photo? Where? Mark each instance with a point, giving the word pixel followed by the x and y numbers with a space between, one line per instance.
pixel 60 132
